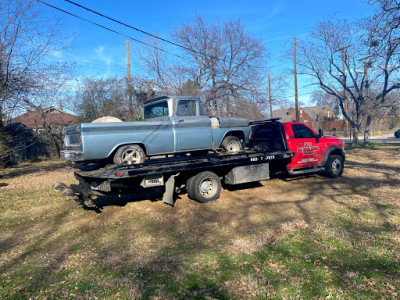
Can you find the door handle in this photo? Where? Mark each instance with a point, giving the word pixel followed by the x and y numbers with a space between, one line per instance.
pixel 180 121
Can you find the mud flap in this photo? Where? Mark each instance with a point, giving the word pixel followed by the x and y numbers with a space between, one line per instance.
pixel 168 196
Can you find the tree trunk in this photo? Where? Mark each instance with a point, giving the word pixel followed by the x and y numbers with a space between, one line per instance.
pixel 355 134
pixel 1 116
pixel 367 129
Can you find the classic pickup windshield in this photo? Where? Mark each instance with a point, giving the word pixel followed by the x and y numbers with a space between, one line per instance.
pixel 156 110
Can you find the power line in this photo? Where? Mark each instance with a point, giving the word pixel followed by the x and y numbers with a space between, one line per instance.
pixel 152 35
pixel 111 30
pixel 134 28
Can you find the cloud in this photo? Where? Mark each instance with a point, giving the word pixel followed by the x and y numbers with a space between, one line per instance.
pixel 58 54
pixel 276 9
pixel 100 54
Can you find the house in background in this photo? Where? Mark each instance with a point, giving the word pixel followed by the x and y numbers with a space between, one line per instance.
pixel 30 140
pixel 315 117
pixel 53 116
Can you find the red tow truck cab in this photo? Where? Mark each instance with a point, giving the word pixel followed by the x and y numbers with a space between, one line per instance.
pixel 313 152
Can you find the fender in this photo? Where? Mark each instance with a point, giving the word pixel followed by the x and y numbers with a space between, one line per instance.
pixel 237 131
pixel 333 149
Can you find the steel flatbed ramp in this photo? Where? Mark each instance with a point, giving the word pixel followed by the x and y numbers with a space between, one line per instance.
pixel 185 163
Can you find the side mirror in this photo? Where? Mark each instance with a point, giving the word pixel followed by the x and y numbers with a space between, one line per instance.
pixel 320 133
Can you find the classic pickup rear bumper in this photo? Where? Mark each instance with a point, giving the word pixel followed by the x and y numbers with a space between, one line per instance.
pixel 71 155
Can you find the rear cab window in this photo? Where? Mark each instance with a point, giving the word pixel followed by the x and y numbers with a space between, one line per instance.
pixel 268 136
pixel 266 131
pixel 156 110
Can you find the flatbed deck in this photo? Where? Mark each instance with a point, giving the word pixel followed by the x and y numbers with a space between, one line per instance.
pixel 184 163
pixel 201 176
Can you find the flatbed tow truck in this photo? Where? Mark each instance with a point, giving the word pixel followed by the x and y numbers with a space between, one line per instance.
pixel 200 175
pixel 273 149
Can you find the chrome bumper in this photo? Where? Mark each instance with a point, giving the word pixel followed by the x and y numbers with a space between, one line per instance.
pixel 71 155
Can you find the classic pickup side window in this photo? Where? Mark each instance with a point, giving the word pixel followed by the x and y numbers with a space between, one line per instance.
pixel 156 110
pixel 186 108
pixel 302 132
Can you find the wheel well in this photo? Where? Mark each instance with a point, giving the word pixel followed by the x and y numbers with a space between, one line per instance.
pixel 111 156
pixel 236 133
pixel 338 152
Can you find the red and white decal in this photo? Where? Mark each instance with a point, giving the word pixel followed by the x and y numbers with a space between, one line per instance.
pixel 308 149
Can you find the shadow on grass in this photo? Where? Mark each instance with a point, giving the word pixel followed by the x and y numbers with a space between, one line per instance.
pixel 26 169
pixel 180 245
pixel 139 195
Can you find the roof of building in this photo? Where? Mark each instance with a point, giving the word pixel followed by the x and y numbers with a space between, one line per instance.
pixel 313 112
pixel 54 116
pixel 283 114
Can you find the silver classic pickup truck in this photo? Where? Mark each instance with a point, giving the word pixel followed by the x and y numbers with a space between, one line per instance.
pixel 171 125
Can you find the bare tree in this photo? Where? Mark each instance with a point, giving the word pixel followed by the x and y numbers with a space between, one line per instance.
pixel 221 62
pixel 166 75
pixel 321 98
pixel 29 41
pixel 227 62
pixel 99 97
pixel 342 61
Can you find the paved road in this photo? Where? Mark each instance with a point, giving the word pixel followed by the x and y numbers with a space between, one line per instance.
pixel 384 138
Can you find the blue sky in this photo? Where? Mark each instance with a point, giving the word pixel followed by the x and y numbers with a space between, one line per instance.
pixel 97 52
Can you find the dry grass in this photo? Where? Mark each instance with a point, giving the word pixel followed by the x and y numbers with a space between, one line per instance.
pixel 301 237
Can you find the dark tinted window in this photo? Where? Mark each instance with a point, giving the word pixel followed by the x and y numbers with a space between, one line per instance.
pixel 267 136
pixel 302 132
pixel 266 131
pixel 186 108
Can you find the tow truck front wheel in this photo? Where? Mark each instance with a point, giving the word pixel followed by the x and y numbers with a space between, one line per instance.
pixel 129 154
pixel 204 187
pixel 334 166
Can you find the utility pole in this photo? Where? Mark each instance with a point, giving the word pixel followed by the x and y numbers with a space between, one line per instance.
pixel 296 96
pixel 346 123
pixel 270 98
pixel 366 79
pixel 128 73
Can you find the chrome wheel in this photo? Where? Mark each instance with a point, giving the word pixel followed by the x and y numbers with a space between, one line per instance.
pixel 234 146
pixel 131 156
pixel 208 188
pixel 336 166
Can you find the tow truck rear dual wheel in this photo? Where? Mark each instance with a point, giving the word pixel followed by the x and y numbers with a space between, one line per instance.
pixel 129 155
pixel 334 166
pixel 232 144
pixel 204 187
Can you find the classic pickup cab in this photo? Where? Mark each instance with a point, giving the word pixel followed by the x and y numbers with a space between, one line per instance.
pixel 171 125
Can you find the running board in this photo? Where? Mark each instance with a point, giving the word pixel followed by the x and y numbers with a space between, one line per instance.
pixel 306 171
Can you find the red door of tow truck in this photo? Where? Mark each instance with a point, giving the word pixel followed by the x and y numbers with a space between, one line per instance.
pixel 305 143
